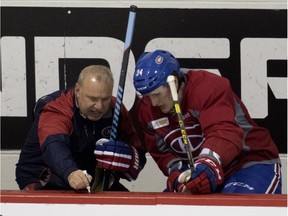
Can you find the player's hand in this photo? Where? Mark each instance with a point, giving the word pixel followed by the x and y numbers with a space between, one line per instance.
pixel 175 170
pixel 79 180
pixel 207 176
pixel 117 156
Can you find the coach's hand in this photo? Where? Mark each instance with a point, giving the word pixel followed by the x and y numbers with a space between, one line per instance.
pixel 79 180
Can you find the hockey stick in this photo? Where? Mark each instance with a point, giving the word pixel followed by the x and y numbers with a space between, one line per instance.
pixel 121 85
pixel 171 82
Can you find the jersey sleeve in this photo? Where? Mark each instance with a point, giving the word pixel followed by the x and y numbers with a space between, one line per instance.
pixel 216 102
pixel 54 129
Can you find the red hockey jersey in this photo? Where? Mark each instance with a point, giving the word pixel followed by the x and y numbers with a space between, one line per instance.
pixel 215 118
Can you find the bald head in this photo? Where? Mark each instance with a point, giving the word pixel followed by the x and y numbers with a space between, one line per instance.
pixel 98 73
pixel 94 91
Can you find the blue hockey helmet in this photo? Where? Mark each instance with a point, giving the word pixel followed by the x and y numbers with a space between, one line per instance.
pixel 152 70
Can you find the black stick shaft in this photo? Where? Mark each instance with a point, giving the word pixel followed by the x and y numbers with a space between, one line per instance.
pixel 171 82
pixel 121 85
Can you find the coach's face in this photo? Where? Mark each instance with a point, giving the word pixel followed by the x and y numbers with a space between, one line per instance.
pixel 94 98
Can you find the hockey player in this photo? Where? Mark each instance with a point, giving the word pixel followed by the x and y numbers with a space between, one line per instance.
pixel 232 154
pixel 59 152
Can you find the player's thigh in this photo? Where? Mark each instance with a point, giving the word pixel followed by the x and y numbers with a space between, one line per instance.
pixel 260 178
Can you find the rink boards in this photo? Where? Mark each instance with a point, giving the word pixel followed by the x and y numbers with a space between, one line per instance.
pixel 138 203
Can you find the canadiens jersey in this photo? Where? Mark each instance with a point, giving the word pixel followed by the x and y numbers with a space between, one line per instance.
pixel 214 118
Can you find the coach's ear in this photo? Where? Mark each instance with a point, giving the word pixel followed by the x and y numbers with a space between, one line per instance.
pixel 77 89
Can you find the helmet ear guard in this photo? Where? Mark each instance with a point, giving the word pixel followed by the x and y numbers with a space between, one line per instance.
pixel 152 70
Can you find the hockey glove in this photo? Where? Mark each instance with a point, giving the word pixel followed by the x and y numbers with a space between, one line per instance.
pixel 175 170
pixel 207 176
pixel 117 156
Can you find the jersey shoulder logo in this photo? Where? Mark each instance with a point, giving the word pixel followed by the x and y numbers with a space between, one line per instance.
pixel 159 123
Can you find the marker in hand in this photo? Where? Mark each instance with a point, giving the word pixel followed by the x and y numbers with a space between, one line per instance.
pixel 86 174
